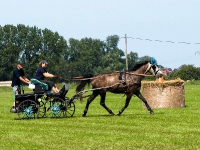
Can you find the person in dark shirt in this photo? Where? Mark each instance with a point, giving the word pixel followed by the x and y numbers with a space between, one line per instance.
pixel 17 78
pixel 41 74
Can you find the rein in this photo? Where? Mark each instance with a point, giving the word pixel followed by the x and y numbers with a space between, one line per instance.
pixel 80 79
pixel 75 78
pixel 137 74
pixel 131 73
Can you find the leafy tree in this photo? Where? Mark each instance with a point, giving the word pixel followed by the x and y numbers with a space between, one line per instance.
pixel 53 49
pixel 9 51
pixel 144 58
pixel 94 56
pixel 111 43
pixel 113 59
pixel 186 72
pixel 132 59
pixel 84 55
pixel 30 45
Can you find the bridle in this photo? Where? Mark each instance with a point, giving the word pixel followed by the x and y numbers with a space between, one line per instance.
pixel 149 67
pixel 157 71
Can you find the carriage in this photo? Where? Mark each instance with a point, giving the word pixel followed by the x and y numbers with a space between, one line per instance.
pixel 43 103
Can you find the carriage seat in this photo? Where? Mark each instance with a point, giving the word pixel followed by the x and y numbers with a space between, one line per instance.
pixel 40 87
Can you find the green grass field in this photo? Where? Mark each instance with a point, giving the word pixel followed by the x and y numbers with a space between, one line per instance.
pixel 167 129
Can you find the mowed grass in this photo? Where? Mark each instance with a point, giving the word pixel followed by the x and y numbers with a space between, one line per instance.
pixel 177 128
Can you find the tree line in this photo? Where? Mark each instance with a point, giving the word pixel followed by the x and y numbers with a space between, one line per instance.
pixel 66 58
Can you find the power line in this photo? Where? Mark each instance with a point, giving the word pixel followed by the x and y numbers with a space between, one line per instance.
pixel 151 40
pixel 172 42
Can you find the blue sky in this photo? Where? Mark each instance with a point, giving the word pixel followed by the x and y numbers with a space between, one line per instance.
pixel 144 21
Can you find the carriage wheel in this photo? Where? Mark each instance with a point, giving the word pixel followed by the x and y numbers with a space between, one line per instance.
pixel 70 108
pixel 56 107
pixel 28 109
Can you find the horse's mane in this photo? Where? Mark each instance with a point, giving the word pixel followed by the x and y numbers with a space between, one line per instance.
pixel 137 66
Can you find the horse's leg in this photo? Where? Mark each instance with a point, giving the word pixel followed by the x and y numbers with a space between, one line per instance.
pixel 102 103
pixel 90 99
pixel 139 95
pixel 128 98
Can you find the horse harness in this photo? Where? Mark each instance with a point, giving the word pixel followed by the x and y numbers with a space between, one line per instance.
pixel 122 76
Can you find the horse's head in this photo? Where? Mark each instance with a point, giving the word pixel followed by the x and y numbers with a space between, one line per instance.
pixel 147 66
pixel 153 69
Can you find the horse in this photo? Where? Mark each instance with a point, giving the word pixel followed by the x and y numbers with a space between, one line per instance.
pixel 127 82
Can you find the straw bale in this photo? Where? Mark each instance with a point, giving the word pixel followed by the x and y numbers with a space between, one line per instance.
pixel 167 94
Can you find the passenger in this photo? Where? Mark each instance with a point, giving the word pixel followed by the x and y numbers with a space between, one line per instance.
pixel 18 76
pixel 42 73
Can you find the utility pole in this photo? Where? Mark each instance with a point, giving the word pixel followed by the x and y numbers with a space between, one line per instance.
pixel 126 52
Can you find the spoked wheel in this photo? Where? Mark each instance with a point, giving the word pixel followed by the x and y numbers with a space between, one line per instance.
pixel 56 107
pixel 28 109
pixel 70 108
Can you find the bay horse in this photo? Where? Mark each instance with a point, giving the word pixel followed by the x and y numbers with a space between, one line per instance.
pixel 127 82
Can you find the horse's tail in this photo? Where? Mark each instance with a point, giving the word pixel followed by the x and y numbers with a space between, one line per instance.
pixel 81 85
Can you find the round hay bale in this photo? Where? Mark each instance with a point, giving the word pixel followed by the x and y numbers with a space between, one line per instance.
pixel 167 94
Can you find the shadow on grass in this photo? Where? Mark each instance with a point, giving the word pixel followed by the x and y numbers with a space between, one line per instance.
pixel 126 115
pixel 95 116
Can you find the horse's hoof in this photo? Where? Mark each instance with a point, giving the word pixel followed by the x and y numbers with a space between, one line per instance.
pixel 83 115
pixel 118 114
pixel 151 112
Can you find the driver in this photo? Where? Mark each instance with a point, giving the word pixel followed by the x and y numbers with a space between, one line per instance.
pixel 42 73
